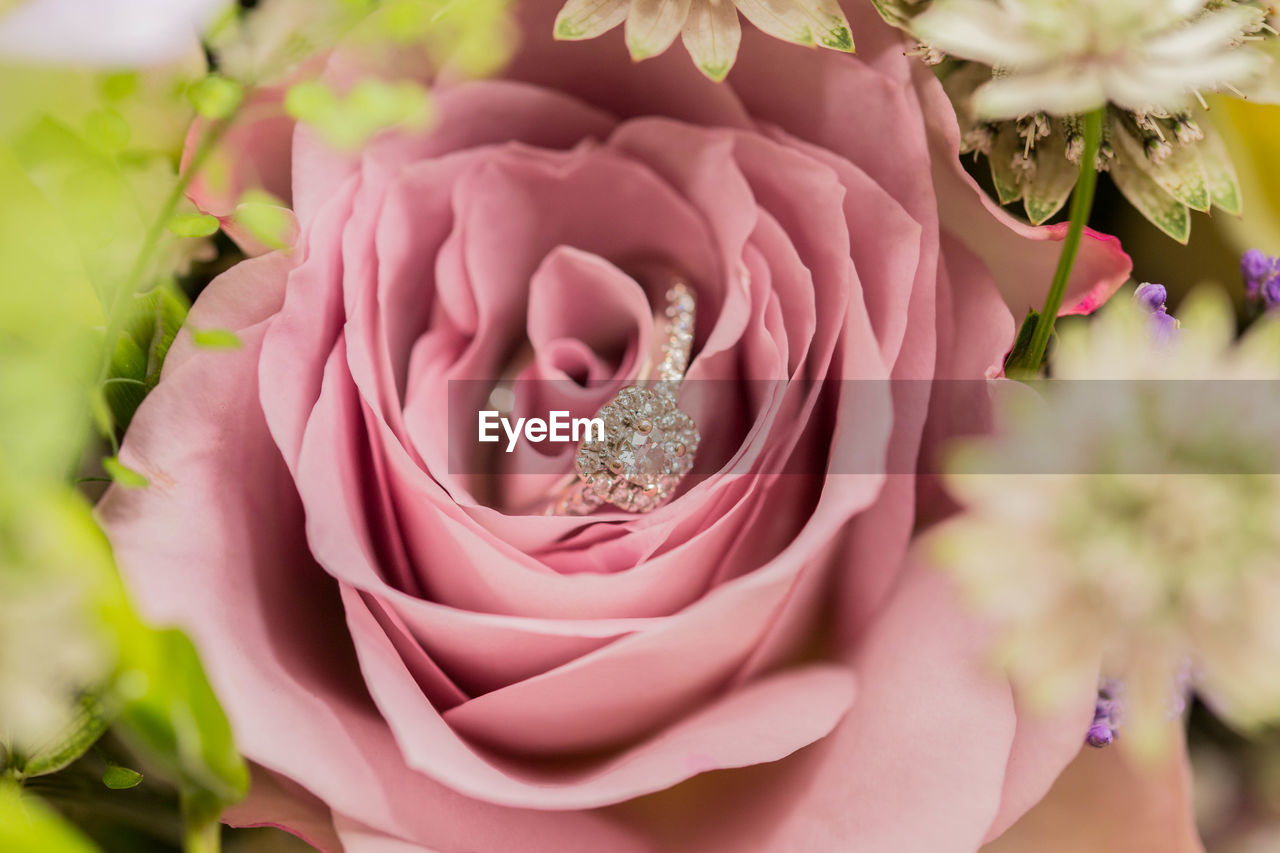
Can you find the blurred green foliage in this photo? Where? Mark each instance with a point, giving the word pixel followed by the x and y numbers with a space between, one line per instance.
pixel 96 241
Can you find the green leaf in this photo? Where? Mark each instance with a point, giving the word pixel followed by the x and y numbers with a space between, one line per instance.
pixel 371 107
pixel 167 316
pixel 27 825
pixel 215 339
pixel 80 733
pixel 119 778
pixel 107 129
pixel 175 718
pixel 194 225
pixel 266 218
pixel 141 350
pixel 1161 209
pixel 215 97
pixel 129 359
pixel 1023 342
pixel 123 475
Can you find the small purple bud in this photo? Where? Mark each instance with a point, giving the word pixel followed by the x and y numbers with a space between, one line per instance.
pixel 1151 297
pixel 1271 290
pixel 1163 327
pixel 1100 735
pixel 1259 270
pixel 1255 264
pixel 1106 715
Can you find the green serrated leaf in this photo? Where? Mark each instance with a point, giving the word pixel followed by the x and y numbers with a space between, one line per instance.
pixel 141 350
pixel 215 339
pixel 123 475
pixel 1007 143
pixel 171 307
pixel 1149 198
pixel 194 225
pixel 1055 177
pixel 129 359
pixel 119 778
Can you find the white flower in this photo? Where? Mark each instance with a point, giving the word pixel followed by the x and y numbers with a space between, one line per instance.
pixel 104 33
pixel 1131 516
pixel 709 28
pixel 1071 56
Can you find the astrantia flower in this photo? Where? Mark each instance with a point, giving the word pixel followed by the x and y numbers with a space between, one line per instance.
pixel 709 28
pixel 1165 163
pixel 1134 522
pixel 1072 56
pixel 1022 71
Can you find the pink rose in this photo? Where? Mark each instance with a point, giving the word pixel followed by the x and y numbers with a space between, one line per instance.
pixel 412 668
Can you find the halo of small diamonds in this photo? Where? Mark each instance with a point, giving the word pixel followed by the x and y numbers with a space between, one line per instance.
pixel 648 448
pixel 649 444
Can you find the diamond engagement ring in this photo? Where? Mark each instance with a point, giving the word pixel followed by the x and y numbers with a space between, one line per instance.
pixel 649 443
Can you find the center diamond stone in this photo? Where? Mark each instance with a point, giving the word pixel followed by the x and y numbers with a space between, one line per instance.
pixel 647 449
pixel 644 457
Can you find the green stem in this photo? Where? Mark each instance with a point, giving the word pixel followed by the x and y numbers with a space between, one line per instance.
pixel 202 837
pixel 122 299
pixel 201 829
pixel 1081 204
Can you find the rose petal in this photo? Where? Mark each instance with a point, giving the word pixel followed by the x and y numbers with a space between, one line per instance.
pixel 1104 801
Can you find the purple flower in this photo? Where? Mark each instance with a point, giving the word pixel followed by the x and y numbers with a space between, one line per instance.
pixel 1152 298
pixel 1106 716
pixel 1163 326
pixel 1271 291
pixel 1261 274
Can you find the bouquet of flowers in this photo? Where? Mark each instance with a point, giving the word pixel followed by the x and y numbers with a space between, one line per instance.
pixel 484 425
